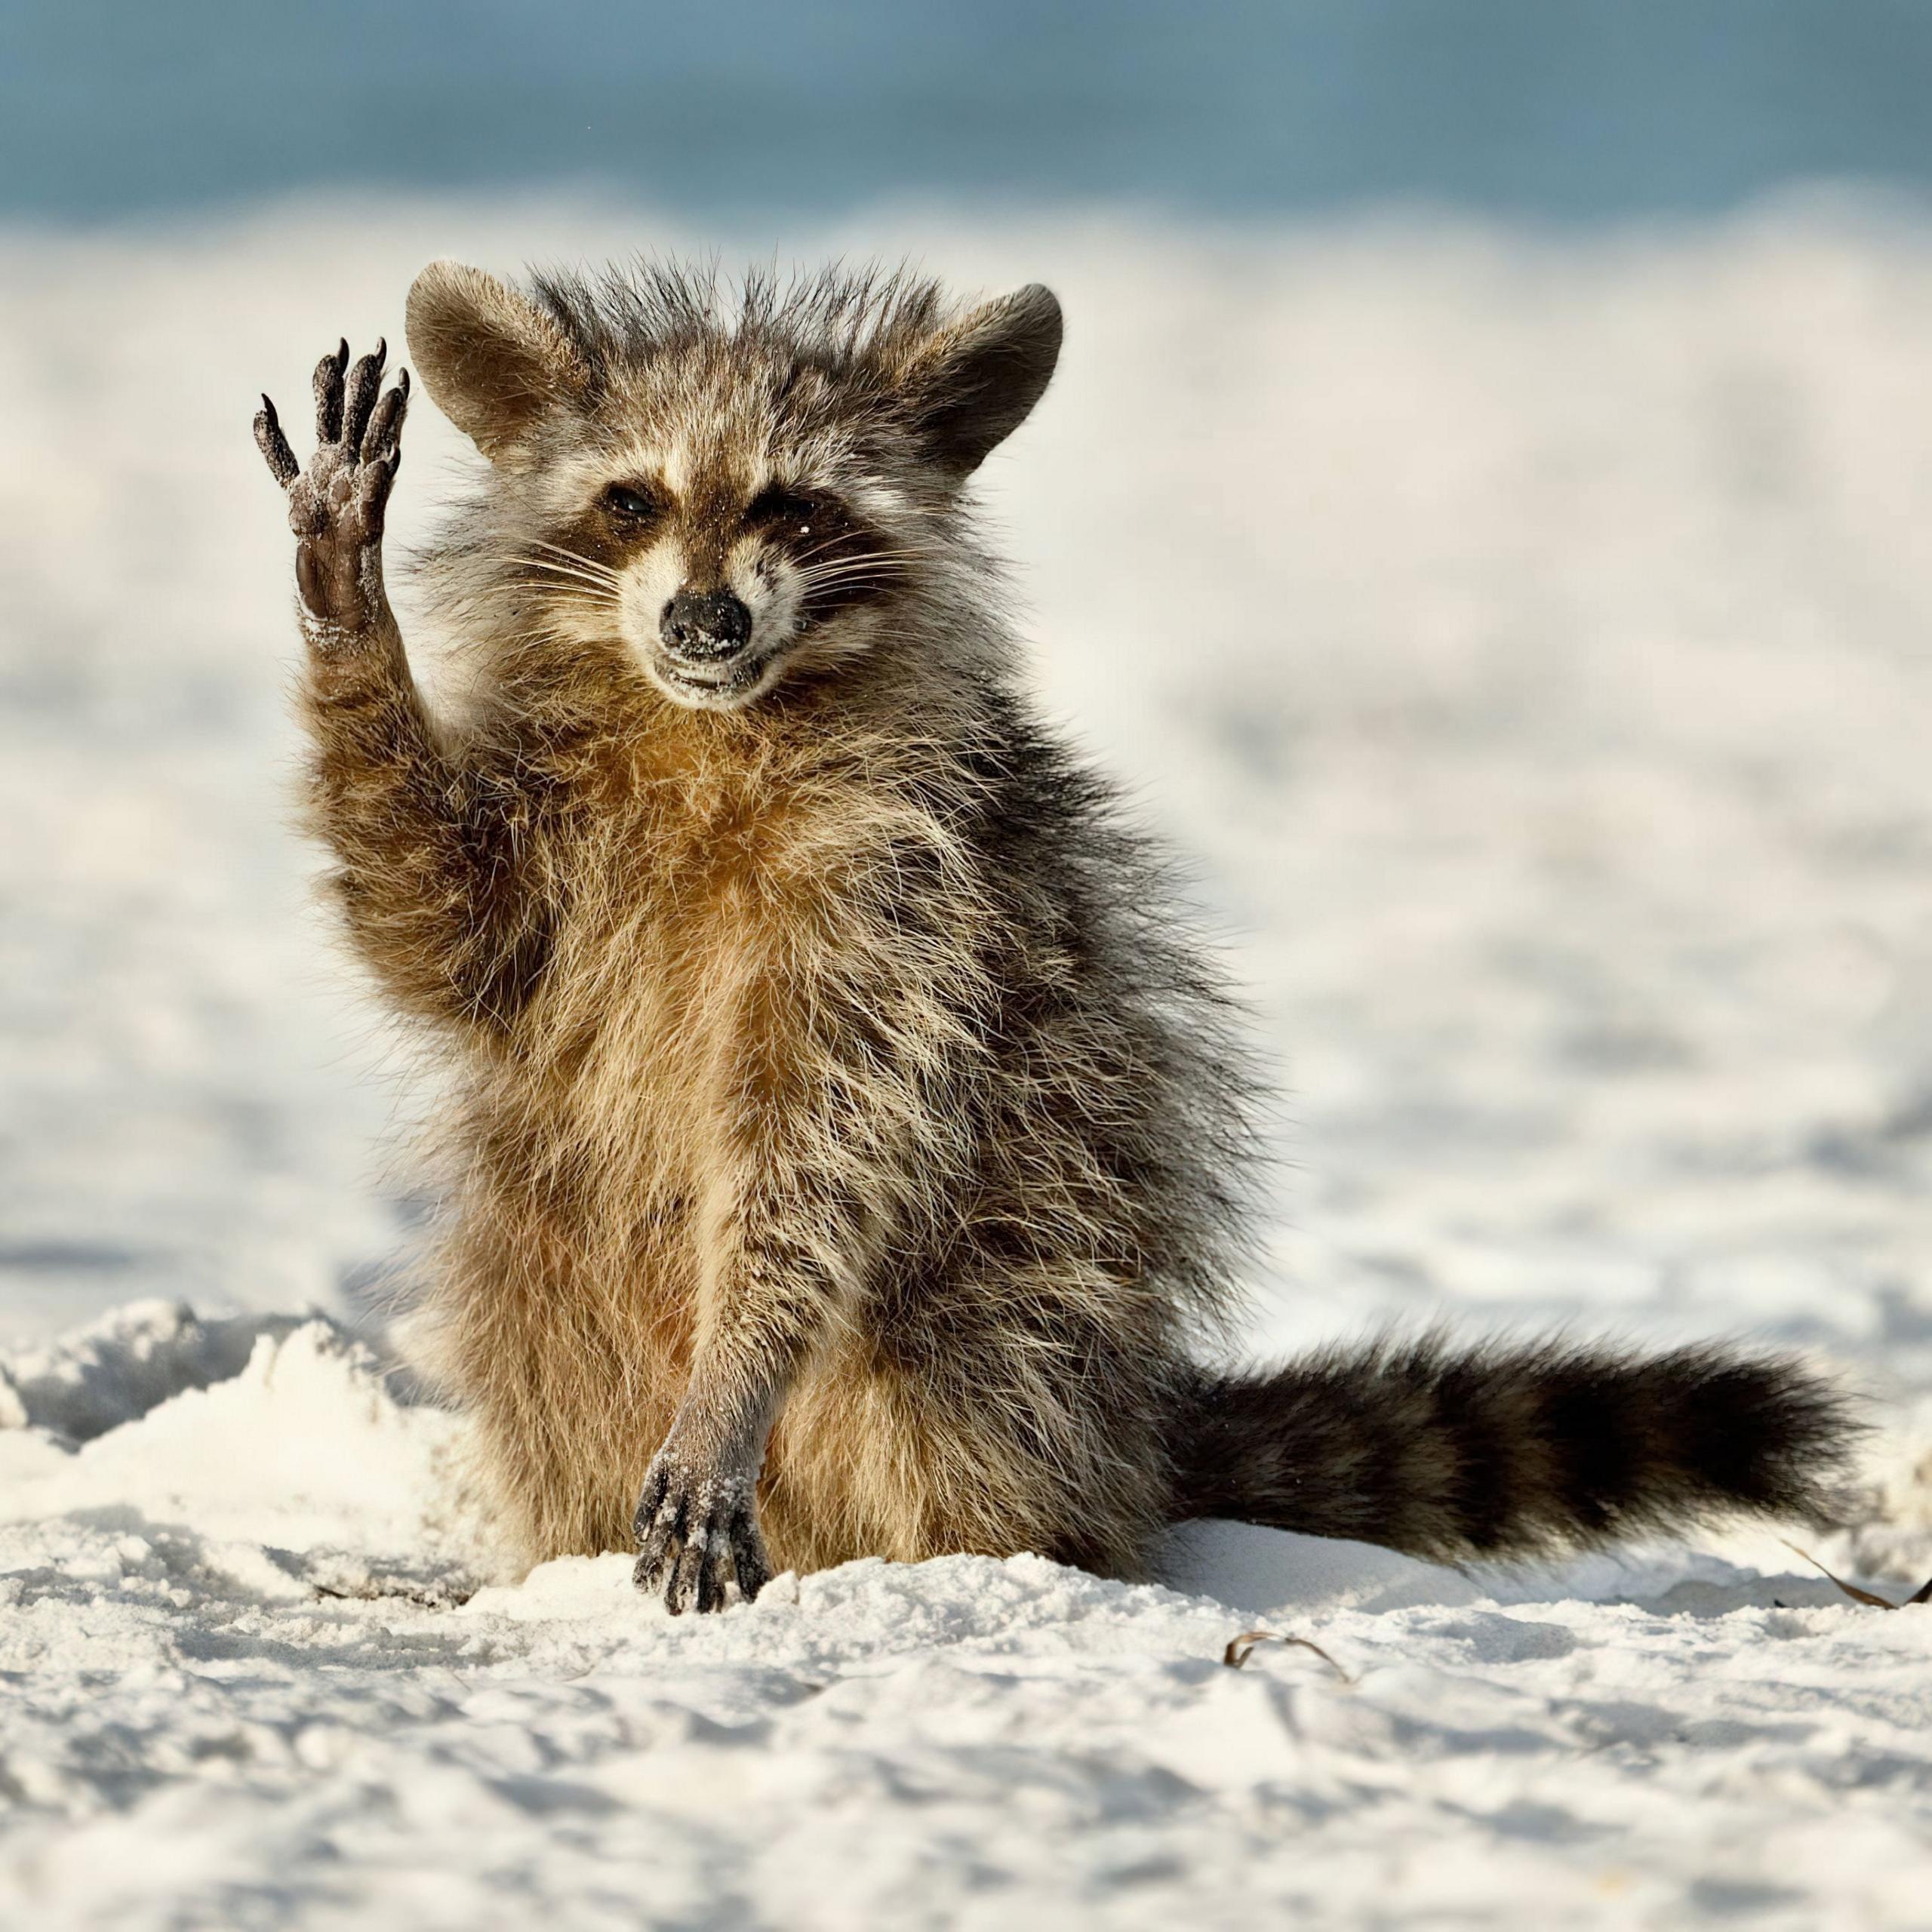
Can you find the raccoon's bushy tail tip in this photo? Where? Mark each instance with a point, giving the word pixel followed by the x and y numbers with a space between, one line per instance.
pixel 1497 1451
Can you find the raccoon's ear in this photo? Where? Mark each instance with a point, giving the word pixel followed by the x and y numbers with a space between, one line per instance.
pixel 976 379
pixel 492 361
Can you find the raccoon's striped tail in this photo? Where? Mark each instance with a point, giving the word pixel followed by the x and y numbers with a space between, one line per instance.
pixel 1500 1451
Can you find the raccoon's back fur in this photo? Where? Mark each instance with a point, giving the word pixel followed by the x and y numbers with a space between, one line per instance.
pixel 829 1050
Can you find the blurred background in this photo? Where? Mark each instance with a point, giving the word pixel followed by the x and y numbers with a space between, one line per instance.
pixel 1593 110
pixel 1481 515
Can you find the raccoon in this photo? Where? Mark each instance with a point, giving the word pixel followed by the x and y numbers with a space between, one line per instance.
pixel 849 1144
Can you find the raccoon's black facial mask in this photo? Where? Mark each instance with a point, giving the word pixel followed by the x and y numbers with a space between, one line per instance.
pixel 715 585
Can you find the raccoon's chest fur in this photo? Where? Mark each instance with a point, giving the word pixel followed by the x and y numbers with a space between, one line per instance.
pixel 674 919
pixel 692 922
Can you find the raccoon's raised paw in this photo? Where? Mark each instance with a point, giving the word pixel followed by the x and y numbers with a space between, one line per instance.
pixel 697 1530
pixel 337 505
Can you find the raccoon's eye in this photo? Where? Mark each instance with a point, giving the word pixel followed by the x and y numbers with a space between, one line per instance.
pixel 628 505
pixel 775 504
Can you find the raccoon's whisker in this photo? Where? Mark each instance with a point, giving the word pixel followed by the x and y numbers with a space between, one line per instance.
pixel 891 550
pixel 817 549
pixel 599 610
pixel 548 634
pixel 596 585
pixel 831 543
pixel 580 594
pixel 575 557
pixel 883 571
pixel 563 569
pixel 870 560
pixel 806 591
pixel 589 592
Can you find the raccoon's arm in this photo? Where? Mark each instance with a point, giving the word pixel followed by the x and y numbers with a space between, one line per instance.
pixel 765 1301
pixel 424 845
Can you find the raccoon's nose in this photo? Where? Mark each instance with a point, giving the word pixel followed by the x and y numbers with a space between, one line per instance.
pixel 703 626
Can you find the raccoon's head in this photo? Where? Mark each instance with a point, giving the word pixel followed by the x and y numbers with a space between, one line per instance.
pixel 724 490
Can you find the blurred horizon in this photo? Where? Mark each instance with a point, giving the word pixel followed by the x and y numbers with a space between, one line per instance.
pixel 1606 110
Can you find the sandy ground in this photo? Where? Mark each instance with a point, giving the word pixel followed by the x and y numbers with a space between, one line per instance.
pixel 1526 639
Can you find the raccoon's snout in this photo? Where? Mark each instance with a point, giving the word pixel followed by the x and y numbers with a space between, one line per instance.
pixel 704 627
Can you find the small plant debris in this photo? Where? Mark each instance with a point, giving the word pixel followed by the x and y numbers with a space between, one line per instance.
pixel 1923 1594
pixel 1241 1648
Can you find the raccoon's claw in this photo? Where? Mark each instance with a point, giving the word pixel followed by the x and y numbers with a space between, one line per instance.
pixel 382 438
pixel 337 505
pixel 274 445
pixel 328 393
pixel 694 1532
pixel 359 398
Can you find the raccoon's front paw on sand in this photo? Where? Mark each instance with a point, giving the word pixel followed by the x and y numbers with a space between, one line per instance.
pixel 335 507
pixel 697 1528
